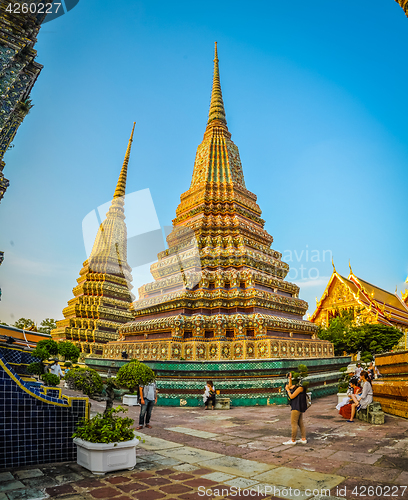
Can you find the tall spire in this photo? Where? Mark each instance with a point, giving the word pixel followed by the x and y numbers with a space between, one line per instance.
pixel 103 297
pixel 217 111
pixel 121 185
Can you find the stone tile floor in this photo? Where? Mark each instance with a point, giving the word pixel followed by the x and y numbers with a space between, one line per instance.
pixel 194 454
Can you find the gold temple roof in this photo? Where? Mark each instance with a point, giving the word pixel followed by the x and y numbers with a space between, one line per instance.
pixel 387 307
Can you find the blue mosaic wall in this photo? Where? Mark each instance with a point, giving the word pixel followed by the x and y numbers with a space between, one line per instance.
pixel 36 424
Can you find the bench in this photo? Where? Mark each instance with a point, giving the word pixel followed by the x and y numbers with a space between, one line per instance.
pixel 222 403
pixel 372 414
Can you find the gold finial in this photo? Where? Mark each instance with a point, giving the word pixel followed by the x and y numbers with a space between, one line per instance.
pixel 121 185
pixel 217 111
pixel 334 269
pixel 396 289
pixel 351 271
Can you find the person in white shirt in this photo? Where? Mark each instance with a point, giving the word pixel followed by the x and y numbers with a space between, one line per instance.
pixel 55 369
pixel 148 398
pixel 358 370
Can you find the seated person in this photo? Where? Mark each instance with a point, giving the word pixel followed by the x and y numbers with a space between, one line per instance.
pixel 345 410
pixel 361 401
pixel 209 395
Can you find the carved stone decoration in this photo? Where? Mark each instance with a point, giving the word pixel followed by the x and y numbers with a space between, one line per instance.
pixel 263 349
pixel 250 350
pixel 146 351
pixel 201 351
pixel 138 351
pixel 163 351
pixel 238 350
pixel 199 327
pixel 239 327
pixel 178 327
pixel 154 351
pixel 189 351
pixel 213 351
pixel 225 349
pixel 176 351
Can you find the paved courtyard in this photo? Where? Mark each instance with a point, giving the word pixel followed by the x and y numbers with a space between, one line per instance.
pixel 194 454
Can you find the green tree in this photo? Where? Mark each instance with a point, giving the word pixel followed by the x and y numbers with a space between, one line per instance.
pixel 47 325
pixel 337 331
pixel 372 339
pixel 69 351
pixel 45 349
pixel 86 380
pixel 24 323
pixel 3 323
pixel 134 373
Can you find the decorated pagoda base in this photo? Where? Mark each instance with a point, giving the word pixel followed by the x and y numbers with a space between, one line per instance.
pixel 219 350
pixel 391 389
pixel 246 382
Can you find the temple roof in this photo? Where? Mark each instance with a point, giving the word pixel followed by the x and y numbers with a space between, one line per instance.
pixel 387 307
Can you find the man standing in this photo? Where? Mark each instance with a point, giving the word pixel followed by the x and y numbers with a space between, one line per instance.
pixel 358 370
pixel 55 369
pixel 148 398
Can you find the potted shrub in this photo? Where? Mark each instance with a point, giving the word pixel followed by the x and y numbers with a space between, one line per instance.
pixel 130 376
pixel 106 442
pixel 86 380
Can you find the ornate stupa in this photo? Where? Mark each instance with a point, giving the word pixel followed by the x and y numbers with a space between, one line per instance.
pixel 102 298
pixel 220 291
pixel 404 5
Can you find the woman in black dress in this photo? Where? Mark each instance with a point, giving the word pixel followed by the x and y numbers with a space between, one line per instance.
pixel 298 403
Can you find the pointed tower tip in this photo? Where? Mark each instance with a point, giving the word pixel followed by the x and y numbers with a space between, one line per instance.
pixel 121 185
pixel 217 111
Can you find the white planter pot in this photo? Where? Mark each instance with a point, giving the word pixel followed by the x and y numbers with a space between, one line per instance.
pixel 100 458
pixel 341 396
pixel 130 400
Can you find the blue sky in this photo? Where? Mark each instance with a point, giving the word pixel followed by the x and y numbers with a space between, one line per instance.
pixel 315 100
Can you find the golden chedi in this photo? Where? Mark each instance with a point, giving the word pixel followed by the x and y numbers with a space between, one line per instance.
pixel 102 298
pixel 219 291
